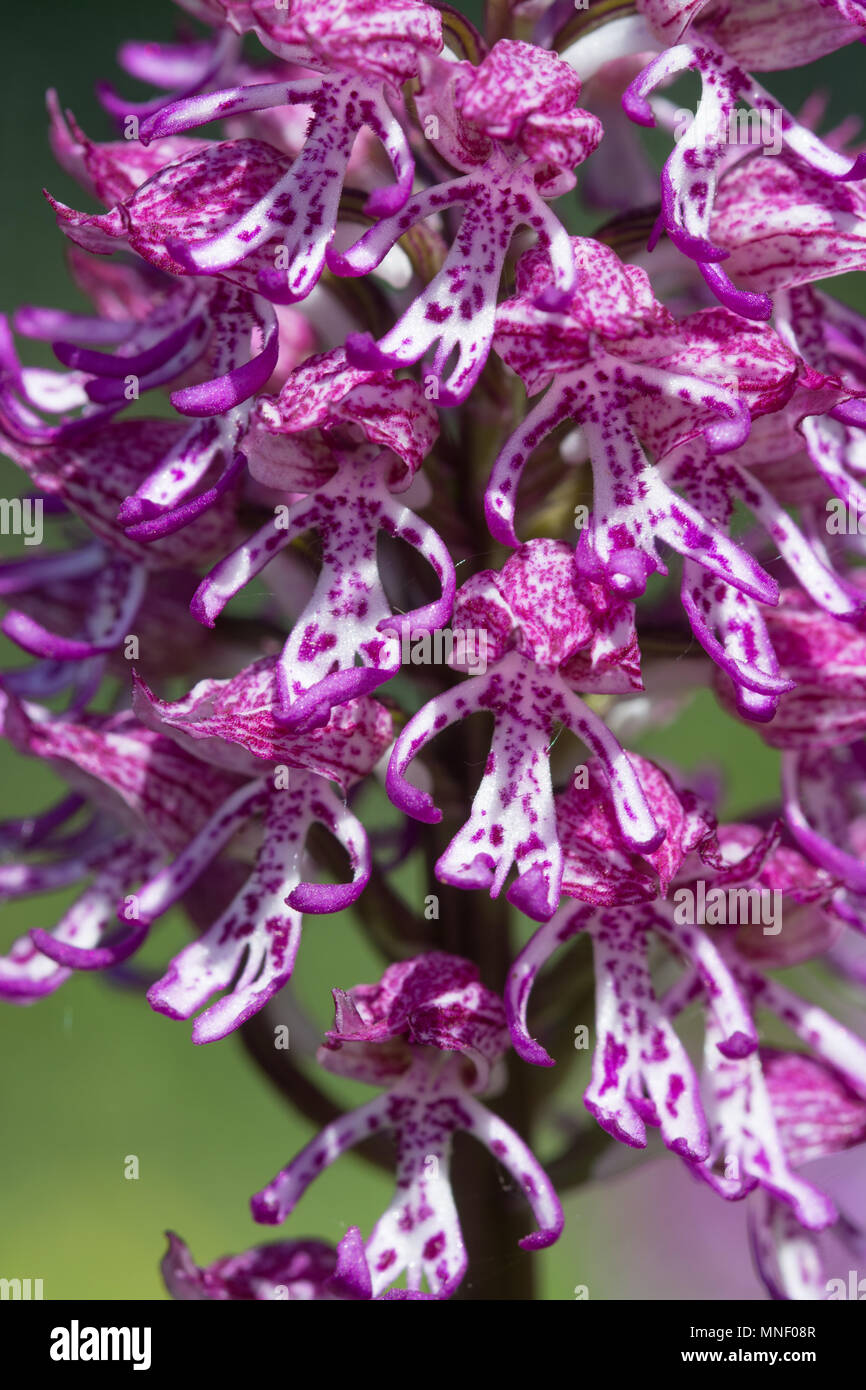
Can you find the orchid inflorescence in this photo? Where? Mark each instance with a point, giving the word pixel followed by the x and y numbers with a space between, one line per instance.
pixel 404 400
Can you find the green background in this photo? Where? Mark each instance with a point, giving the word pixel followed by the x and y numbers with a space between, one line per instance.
pixel 91 1075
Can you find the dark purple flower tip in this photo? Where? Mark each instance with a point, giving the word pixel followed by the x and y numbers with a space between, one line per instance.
pixel 746 303
pixel 858 168
pixel 684 1149
pixel 531 894
pixel 850 413
pixel 636 106
pixel 540 1240
pixel 96 958
pixel 500 527
pixel 738 1045
pixel 325 897
pixel 416 803
pixel 265 1209
pixel 527 1048
pixel 363 351
pixel 225 392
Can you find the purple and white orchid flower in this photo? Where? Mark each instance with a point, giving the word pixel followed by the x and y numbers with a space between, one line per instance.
pixel 514 128
pixel 549 632
pixel 429 1033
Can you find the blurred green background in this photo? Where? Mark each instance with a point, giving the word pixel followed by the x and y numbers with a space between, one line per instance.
pixel 91 1075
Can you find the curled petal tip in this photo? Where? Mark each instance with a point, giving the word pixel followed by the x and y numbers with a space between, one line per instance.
pixel 500 526
pixel 540 1240
pixel 857 170
pixel 637 107
pixel 746 303
pixel 420 805
pixel 529 1049
pixel 692 1150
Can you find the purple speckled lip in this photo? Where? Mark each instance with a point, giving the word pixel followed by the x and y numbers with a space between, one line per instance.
pixel 370 521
